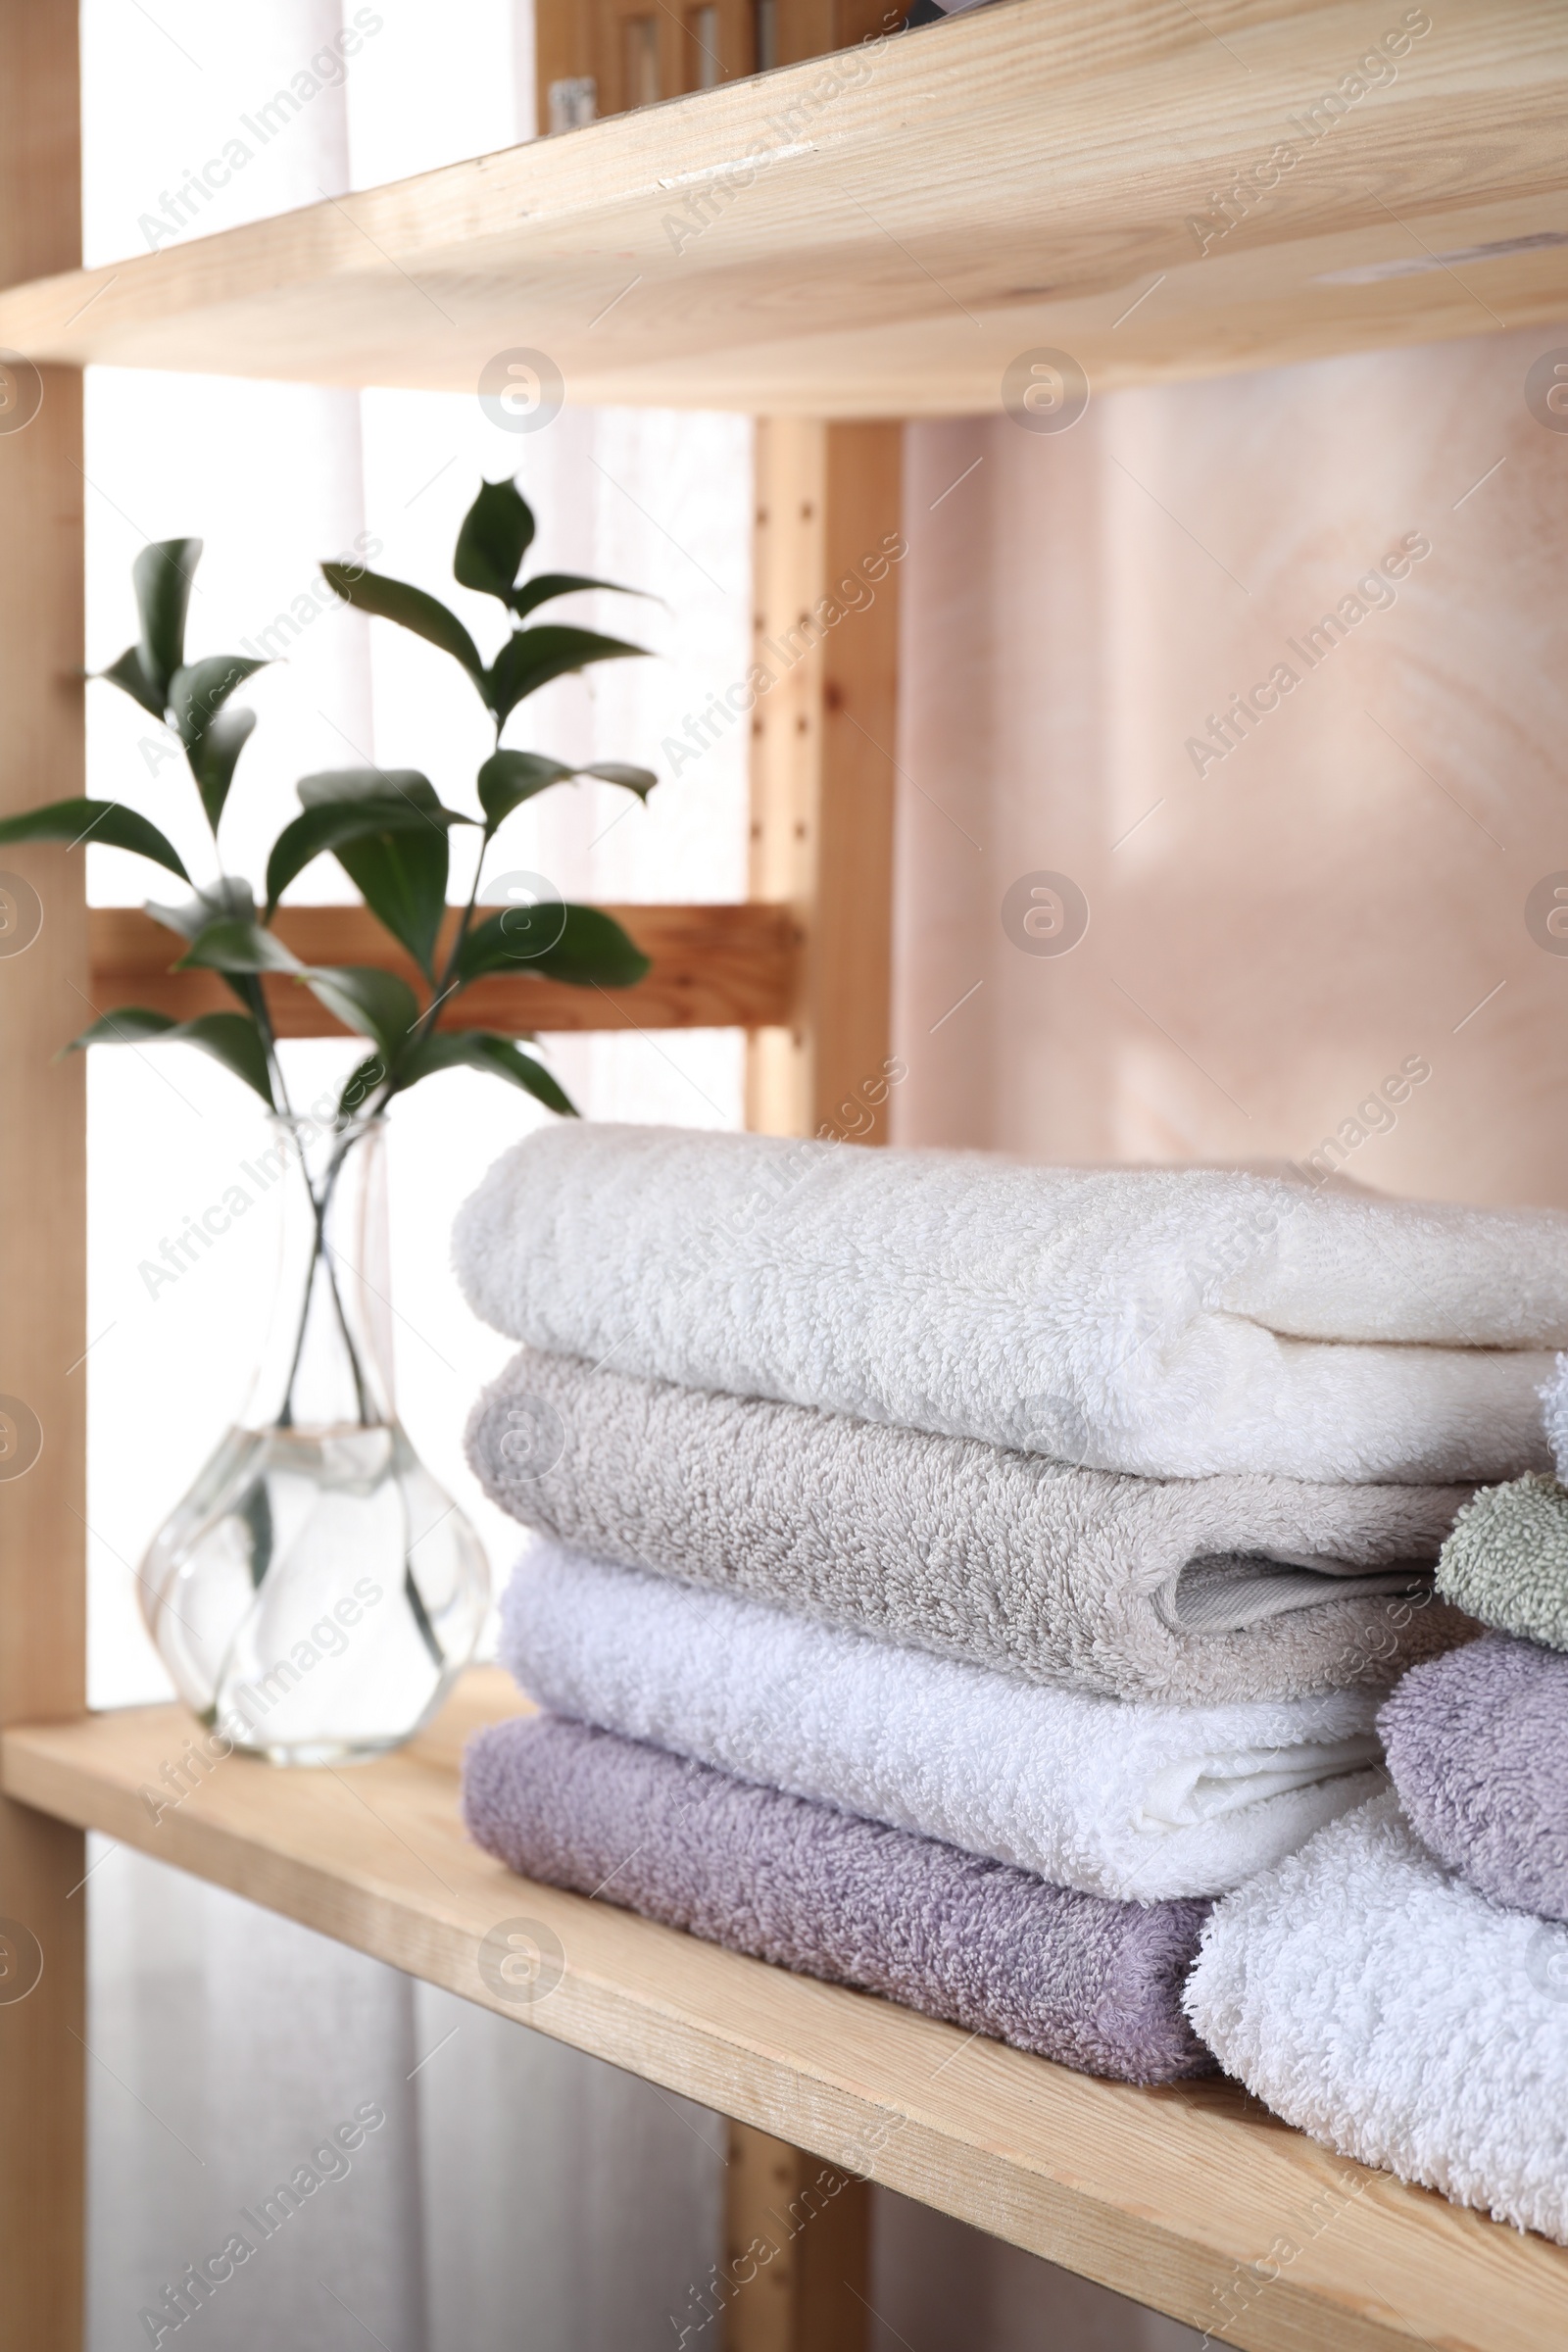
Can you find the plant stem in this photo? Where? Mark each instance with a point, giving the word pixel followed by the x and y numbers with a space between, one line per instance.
pixel 443 990
pixel 253 993
pixel 322 1255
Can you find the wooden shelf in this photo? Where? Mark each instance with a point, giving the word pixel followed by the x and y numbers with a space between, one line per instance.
pixel 1016 178
pixel 1168 2195
pixel 714 967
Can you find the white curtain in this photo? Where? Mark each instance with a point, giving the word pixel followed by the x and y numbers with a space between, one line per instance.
pixel 517 2194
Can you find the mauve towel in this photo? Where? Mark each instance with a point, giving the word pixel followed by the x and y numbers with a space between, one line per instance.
pixel 1506 1560
pixel 1193 1591
pixel 1478 1746
pixel 1092 1983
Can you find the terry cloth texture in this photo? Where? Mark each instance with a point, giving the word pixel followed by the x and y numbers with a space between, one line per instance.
pixel 1555 1402
pixel 1002 1559
pixel 1506 1560
pixel 1173 1322
pixel 1478 1746
pixel 1135 1803
pixel 1096 1985
pixel 1378 2002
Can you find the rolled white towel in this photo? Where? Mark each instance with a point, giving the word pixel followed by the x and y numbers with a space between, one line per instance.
pixel 1117 1798
pixel 1372 1998
pixel 1177 1323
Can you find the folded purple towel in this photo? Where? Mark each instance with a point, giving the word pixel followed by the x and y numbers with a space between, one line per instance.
pixel 1093 1984
pixel 1478 1746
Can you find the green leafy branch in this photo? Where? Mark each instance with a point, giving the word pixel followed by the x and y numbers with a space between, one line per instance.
pixel 387 828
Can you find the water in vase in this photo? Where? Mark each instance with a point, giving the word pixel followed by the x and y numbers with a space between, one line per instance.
pixel 316 1592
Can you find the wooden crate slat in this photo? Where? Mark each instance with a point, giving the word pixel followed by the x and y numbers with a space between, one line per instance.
pixel 714 967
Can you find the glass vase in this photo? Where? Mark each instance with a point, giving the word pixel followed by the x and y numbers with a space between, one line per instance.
pixel 316 1592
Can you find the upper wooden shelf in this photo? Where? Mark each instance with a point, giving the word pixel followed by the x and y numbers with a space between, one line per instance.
pixel 1177 2196
pixel 1016 178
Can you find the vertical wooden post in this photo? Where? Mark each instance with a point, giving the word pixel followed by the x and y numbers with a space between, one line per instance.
pixel 43 979
pixel 828 546
pixel 796 2242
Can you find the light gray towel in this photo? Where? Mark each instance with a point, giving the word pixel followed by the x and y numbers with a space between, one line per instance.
pixel 1196 1592
pixel 1175 1322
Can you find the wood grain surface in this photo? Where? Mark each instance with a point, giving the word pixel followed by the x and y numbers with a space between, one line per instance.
pixel 1183 2198
pixel 884 232
pixel 714 967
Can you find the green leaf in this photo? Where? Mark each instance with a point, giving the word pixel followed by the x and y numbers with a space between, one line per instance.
pixel 118 828
pixel 128 674
pixel 482 1050
pixel 162 576
pixel 226 900
pixel 214 756
pixel 388 831
pixel 640 780
pixel 198 693
pixel 531 658
pixel 341 784
pixel 546 586
pixel 401 874
pixel 230 1037
pixel 509 778
pixel 331 824
pixel 583 946
pixel 410 608
pixel 377 1003
pixel 497 533
pixel 360 1084
pixel 230 946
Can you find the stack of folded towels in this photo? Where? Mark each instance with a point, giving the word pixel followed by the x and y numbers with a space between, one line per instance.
pixel 949 1576
pixel 1400 1987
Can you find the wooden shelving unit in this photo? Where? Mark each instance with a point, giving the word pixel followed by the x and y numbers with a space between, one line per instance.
pixel 1011 179
pixel 832 242
pixel 1170 2195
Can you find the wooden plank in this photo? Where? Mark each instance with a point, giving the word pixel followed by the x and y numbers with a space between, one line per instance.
pixel 827 542
pixel 44 977
pixel 1175 2196
pixel 826 560
pixel 886 235
pixel 797 2250
pixel 714 967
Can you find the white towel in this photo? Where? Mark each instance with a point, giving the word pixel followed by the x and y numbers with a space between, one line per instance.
pixel 1117 1798
pixel 1375 2000
pixel 1170 1322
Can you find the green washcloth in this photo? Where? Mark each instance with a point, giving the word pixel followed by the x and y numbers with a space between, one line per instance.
pixel 1506 1560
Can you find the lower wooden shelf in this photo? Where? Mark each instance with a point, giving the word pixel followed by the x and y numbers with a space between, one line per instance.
pixel 1192 2198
